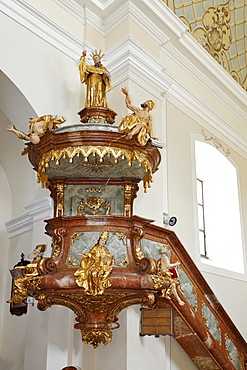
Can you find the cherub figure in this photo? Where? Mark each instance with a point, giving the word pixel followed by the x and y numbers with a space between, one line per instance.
pixel 138 123
pixel 169 269
pixel 37 127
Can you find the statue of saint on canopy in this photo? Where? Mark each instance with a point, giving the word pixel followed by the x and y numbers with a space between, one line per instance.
pixel 97 79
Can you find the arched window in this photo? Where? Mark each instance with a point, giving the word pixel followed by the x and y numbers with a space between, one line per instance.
pixel 219 224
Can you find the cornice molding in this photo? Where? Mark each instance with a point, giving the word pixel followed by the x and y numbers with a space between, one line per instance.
pixel 36 211
pixel 193 58
pixel 130 56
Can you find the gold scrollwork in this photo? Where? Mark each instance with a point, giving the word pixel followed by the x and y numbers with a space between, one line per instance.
pixel 139 253
pixel 75 236
pixel 215 34
pixel 124 262
pixel 71 262
pixel 93 203
pixel 95 337
pixel 121 236
pixel 55 245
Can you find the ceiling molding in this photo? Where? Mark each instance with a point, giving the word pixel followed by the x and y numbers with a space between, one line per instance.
pixel 36 211
pixel 129 55
pixel 73 8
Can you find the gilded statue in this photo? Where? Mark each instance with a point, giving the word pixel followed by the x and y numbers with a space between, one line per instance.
pixel 97 79
pixel 95 268
pixel 19 291
pixel 167 271
pixel 37 127
pixel 139 123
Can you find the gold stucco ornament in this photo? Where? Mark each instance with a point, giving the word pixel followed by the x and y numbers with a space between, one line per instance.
pixel 95 268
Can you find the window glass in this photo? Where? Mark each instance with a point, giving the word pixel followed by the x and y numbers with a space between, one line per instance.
pixel 218 209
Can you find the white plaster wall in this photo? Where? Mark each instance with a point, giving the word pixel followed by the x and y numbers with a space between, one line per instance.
pixel 5 214
pixel 46 77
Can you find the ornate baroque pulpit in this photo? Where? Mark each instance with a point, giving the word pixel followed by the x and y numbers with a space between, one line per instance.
pixel 103 258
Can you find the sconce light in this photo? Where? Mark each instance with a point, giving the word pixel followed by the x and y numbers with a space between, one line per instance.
pixel 18 309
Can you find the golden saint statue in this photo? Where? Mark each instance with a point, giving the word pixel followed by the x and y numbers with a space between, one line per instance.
pixel 96 78
pixel 138 123
pixel 19 292
pixel 95 268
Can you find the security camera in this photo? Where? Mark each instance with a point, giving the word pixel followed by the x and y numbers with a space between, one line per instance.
pixel 172 221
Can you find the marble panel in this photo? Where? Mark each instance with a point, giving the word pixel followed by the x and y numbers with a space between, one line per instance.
pixel 187 287
pixel 113 194
pixel 82 242
pixel 211 322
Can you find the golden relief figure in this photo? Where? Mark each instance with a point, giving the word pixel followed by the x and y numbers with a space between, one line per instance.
pixel 138 123
pixel 95 268
pixel 96 78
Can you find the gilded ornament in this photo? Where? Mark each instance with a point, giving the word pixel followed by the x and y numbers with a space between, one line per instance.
pixel 55 245
pixel 124 262
pixel 96 165
pixel 95 268
pixel 215 33
pixel 75 236
pixel 93 203
pixel 101 152
pixel 71 262
pixel 139 252
pixel 122 237
pixel 60 199
pixel 93 190
pixel 95 337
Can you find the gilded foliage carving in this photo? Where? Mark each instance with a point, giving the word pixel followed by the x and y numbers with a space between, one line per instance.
pixel 95 337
